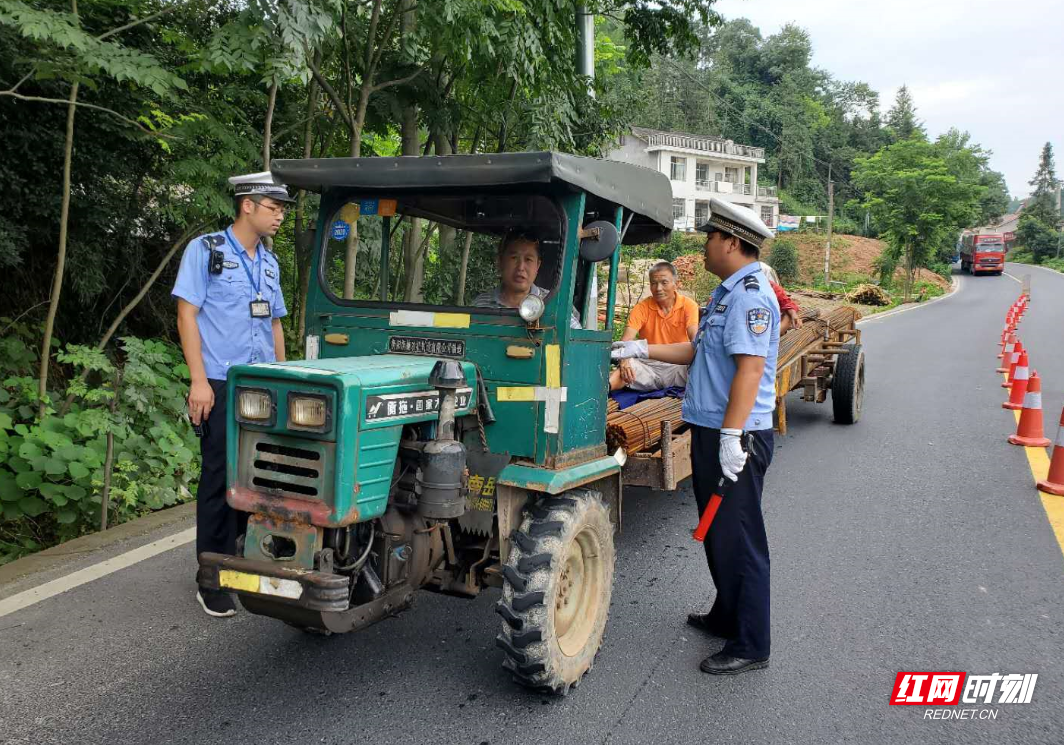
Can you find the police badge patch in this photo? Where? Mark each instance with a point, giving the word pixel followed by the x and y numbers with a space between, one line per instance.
pixel 758 319
pixel 230 265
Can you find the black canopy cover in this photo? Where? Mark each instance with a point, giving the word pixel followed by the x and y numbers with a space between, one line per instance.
pixel 646 195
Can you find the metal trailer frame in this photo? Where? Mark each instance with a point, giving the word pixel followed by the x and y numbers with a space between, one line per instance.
pixel 813 370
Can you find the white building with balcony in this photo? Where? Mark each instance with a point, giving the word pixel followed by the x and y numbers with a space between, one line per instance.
pixel 701 167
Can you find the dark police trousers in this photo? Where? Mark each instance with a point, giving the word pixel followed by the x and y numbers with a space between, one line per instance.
pixel 736 547
pixel 217 524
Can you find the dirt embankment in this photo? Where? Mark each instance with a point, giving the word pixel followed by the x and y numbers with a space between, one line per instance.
pixel 853 257
pixel 850 255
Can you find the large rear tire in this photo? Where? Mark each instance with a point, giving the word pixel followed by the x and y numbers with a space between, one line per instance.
pixel 847 386
pixel 556 592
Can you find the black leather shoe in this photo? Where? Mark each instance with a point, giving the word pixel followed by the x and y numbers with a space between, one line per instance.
pixel 701 622
pixel 724 664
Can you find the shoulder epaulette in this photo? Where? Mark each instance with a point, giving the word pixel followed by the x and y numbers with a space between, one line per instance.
pixel 212 241
pixel 750 282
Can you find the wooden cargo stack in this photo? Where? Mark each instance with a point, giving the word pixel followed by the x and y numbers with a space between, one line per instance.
pixel 639 426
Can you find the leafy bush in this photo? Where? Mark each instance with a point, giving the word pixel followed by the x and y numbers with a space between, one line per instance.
pixel 52 471
pixel 679 244
pixel 1057 264
pixel 784 259
pixel 942 269
pixel 885 265
pixel 1021 256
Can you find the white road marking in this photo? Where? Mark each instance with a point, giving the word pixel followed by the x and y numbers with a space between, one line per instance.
pixel 83 576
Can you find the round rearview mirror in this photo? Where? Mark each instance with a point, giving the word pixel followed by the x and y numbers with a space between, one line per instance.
pixel 531 308
pixel 603 244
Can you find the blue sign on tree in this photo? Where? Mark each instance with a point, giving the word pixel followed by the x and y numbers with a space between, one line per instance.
pixel 340 230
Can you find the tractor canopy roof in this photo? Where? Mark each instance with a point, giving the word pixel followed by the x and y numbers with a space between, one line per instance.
pixel 645 195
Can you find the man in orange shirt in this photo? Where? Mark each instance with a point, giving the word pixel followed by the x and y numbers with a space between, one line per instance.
pixel 666 317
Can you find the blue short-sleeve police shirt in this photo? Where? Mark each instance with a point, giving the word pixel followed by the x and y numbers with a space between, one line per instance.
pixel 742 317
pixel 229 335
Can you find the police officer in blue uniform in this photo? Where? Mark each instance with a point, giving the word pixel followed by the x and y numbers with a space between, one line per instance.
pixel 229 310
pixel 730 396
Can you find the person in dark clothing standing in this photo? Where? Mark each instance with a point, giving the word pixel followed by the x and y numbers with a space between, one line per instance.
pixel 731 393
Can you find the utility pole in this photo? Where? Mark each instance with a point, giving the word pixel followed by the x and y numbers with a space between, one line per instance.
pixel 831 218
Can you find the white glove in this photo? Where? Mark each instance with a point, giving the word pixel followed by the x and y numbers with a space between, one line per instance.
pixel 732 455
pixel 630 350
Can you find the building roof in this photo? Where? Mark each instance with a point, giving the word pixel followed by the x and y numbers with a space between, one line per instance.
pixel 709 144
pixel 645 132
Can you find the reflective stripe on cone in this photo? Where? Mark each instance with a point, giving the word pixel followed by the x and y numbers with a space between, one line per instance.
pixel 1019 386
pixel 1029 430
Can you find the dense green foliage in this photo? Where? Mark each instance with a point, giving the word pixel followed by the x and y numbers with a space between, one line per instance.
pixel 919 196
pixel 1039 229
pixel 53 471
pixel 784 259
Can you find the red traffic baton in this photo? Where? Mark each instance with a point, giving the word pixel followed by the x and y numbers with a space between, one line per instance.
pixel 710 511
pixel 723 486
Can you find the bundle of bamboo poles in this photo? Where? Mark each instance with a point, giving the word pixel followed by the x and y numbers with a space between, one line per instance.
pixel 612 406
pixel 813 328
pixel 639 426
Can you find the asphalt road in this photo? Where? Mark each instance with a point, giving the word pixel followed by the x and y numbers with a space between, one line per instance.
pixel 913 540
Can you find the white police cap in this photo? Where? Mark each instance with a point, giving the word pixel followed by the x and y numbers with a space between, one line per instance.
pixel 734 219
pixel 260 184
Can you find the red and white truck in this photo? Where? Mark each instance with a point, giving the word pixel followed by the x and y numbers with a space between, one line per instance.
pixel 983 253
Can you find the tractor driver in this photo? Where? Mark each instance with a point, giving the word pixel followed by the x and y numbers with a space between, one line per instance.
pixel 518 262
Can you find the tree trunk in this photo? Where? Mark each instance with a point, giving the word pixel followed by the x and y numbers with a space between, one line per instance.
pixel 463 266
pixel 303 247
pixel 413 264
pixel 447 233
pixel 57 282
pixel 267 135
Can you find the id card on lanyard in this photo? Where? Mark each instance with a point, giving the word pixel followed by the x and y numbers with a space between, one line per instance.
pixel 259 307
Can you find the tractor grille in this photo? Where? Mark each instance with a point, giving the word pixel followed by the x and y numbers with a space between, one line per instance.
pixel 283 466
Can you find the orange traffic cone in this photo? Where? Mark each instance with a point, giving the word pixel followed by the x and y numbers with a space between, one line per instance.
pixel 1029 431
pixel 1006 353
pixel 1019 385
pixel 1054 482
pixel 1013 361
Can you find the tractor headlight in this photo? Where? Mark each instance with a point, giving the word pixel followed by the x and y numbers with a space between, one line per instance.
pixel 254 405
pixel 308 412
pixel 531 308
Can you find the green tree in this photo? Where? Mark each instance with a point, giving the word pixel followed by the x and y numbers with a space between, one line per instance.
pixel 916 203
pixel 784 259
pixel 1040 239
pixel 901 119
pixel 1043 202
pixel 969 162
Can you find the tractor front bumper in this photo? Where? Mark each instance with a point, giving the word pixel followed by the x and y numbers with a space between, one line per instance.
pixel 302 588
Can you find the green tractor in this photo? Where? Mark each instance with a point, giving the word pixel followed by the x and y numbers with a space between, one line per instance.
pixel 426 443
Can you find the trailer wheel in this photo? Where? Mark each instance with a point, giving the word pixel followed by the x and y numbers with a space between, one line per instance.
pixel 556 591
pixel 847 386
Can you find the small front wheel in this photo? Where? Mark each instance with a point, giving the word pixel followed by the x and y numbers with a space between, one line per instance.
pixel 556 592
